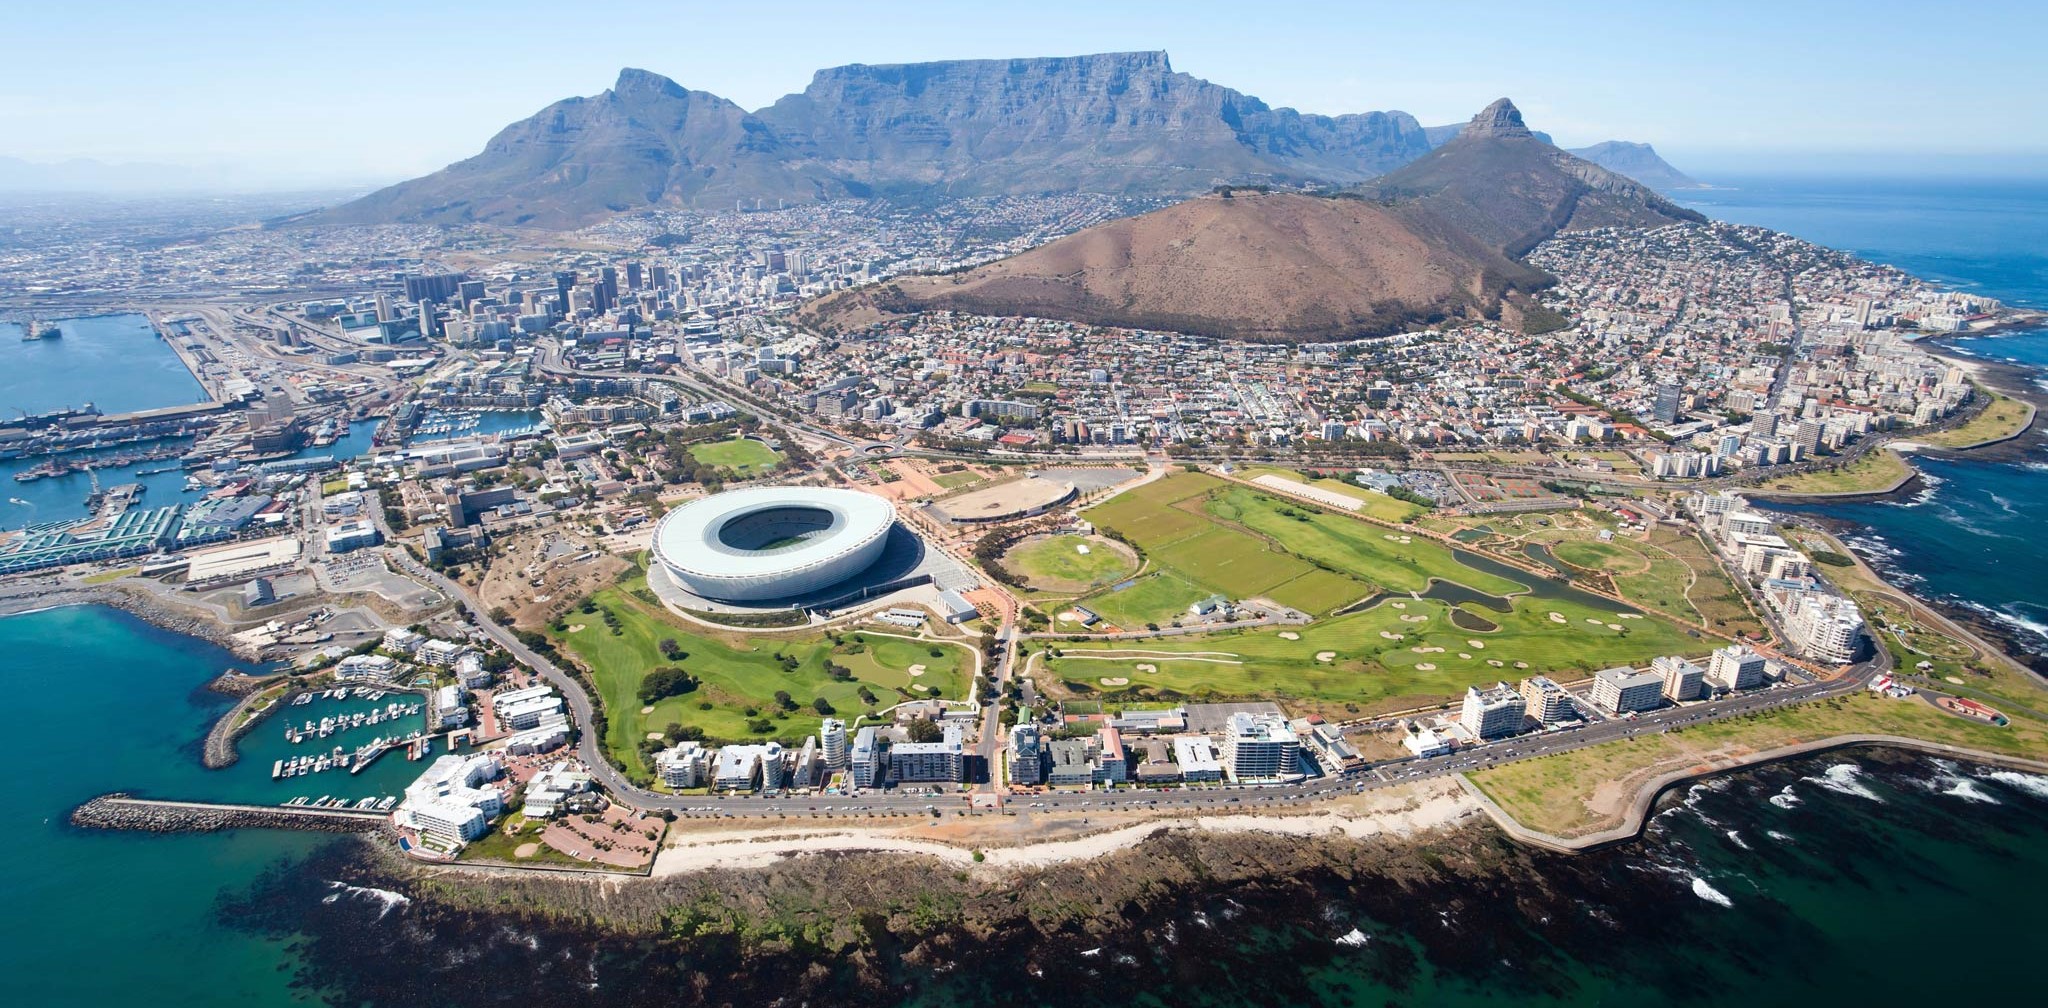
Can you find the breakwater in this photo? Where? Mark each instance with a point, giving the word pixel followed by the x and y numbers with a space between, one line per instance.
pixel 121 812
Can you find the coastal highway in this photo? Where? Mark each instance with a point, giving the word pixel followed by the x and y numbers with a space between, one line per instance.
pixel 912 799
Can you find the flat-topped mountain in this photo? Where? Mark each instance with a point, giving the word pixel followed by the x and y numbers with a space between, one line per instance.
pixel 1435 240
pixel 1123 123
pixel 1638 161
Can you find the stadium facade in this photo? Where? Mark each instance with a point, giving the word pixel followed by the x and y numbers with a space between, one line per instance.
pixel 766 543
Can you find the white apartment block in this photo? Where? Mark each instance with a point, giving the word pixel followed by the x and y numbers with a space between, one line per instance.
pixel 1622 690
pixel 1492 713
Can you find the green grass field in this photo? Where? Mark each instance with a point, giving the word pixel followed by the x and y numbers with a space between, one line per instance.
pixel 1873 473
pixel 1223 538
pixel 1056 563
pixel 743 457
pixel 1203 535
pixel 1377 505
pixel 1563 794
pixel 1373 658
pixel 741 671
pixel 2003 418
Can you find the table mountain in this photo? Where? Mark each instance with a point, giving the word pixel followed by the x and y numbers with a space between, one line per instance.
pixel 1437 239
pixel 1118 123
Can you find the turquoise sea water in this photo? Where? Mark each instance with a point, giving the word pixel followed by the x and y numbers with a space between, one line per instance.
pixel 1834 880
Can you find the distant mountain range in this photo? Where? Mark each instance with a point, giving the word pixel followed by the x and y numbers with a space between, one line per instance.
pixel 1122 123
pixel 1439 238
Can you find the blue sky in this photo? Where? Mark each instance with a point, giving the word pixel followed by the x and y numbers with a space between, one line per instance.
pixel 374 90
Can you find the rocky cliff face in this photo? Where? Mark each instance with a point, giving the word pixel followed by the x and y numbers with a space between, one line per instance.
pixel 1117 122
pixel 1637 161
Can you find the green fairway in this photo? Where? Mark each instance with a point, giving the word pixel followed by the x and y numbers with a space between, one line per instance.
pixel 1373 657
pixel 743 457
pixel 1222 538
pixel 742 671
pixel 1593 555
pixel 1365 551
pixel 1154 598
pixel 1056 563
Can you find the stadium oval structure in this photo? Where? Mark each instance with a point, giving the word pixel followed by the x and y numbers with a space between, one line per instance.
pixel 766 543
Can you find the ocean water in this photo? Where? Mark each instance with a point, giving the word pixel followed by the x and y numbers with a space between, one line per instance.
pixel 1971 537
pixel 115 362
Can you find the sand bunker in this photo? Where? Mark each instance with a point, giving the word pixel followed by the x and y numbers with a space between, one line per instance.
pixel 1115 681
pixel 1427 650
pixel 1613 626
pixel 1596 621
pixel 1323 656
pixel 1521 664
pixel 653 734
pixel 1398 605
pixel 916 670
pixel 1478 645
pixel 1146 667
pixel 1465 655
pixel 1289 635
pixel 1628 615
pixel 1954 679
pixel 1425 667
pixel 1415 619
pixel 1495 662
pixel 1558 617
pixel 1393 636
pixel 575 628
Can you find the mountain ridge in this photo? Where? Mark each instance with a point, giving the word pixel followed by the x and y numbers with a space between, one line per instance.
pixel 1439 239
pixel 1115 123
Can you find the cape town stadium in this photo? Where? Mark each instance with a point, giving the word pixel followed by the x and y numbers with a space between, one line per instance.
pixel 771 542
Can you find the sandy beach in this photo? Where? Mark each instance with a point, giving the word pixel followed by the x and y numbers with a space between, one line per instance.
pixel 1404 811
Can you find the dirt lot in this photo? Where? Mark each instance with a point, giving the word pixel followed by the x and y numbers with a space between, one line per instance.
pixel 540 574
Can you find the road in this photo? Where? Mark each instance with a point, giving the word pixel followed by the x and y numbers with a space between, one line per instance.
pixel 589 748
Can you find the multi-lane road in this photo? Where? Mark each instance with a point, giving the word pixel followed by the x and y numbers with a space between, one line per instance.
pixel 914 799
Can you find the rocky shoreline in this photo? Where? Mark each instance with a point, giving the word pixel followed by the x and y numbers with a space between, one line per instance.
pixel 34 596
pixel 219 750
pixel 1243 917
pixel 111 812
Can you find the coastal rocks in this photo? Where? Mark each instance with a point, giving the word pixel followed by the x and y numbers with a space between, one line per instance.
pixel 219 750
pixel 119 812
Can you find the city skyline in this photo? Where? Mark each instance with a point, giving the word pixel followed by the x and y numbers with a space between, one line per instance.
pixel 281 103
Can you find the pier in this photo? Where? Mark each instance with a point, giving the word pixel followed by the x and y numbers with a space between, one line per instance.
pixel 156 815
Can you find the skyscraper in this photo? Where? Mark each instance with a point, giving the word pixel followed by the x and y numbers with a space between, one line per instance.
pixel 1667 402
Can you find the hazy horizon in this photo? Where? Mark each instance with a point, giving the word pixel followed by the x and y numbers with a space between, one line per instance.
pixel 245 97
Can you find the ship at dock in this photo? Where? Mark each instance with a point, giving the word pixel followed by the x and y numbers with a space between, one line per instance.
pixel 37 331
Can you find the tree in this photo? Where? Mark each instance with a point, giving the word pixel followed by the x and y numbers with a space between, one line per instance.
pixel 924 729
pixel 783 700
pixel 823 707
pixel 664 682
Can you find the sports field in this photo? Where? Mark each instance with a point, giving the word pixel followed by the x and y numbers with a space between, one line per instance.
pixel 1070 563
pixel 739 672
pixel 743 457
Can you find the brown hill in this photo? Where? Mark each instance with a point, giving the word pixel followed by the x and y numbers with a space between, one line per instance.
pixel 1268 268
pixel 1438 239
pixel 1511 190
